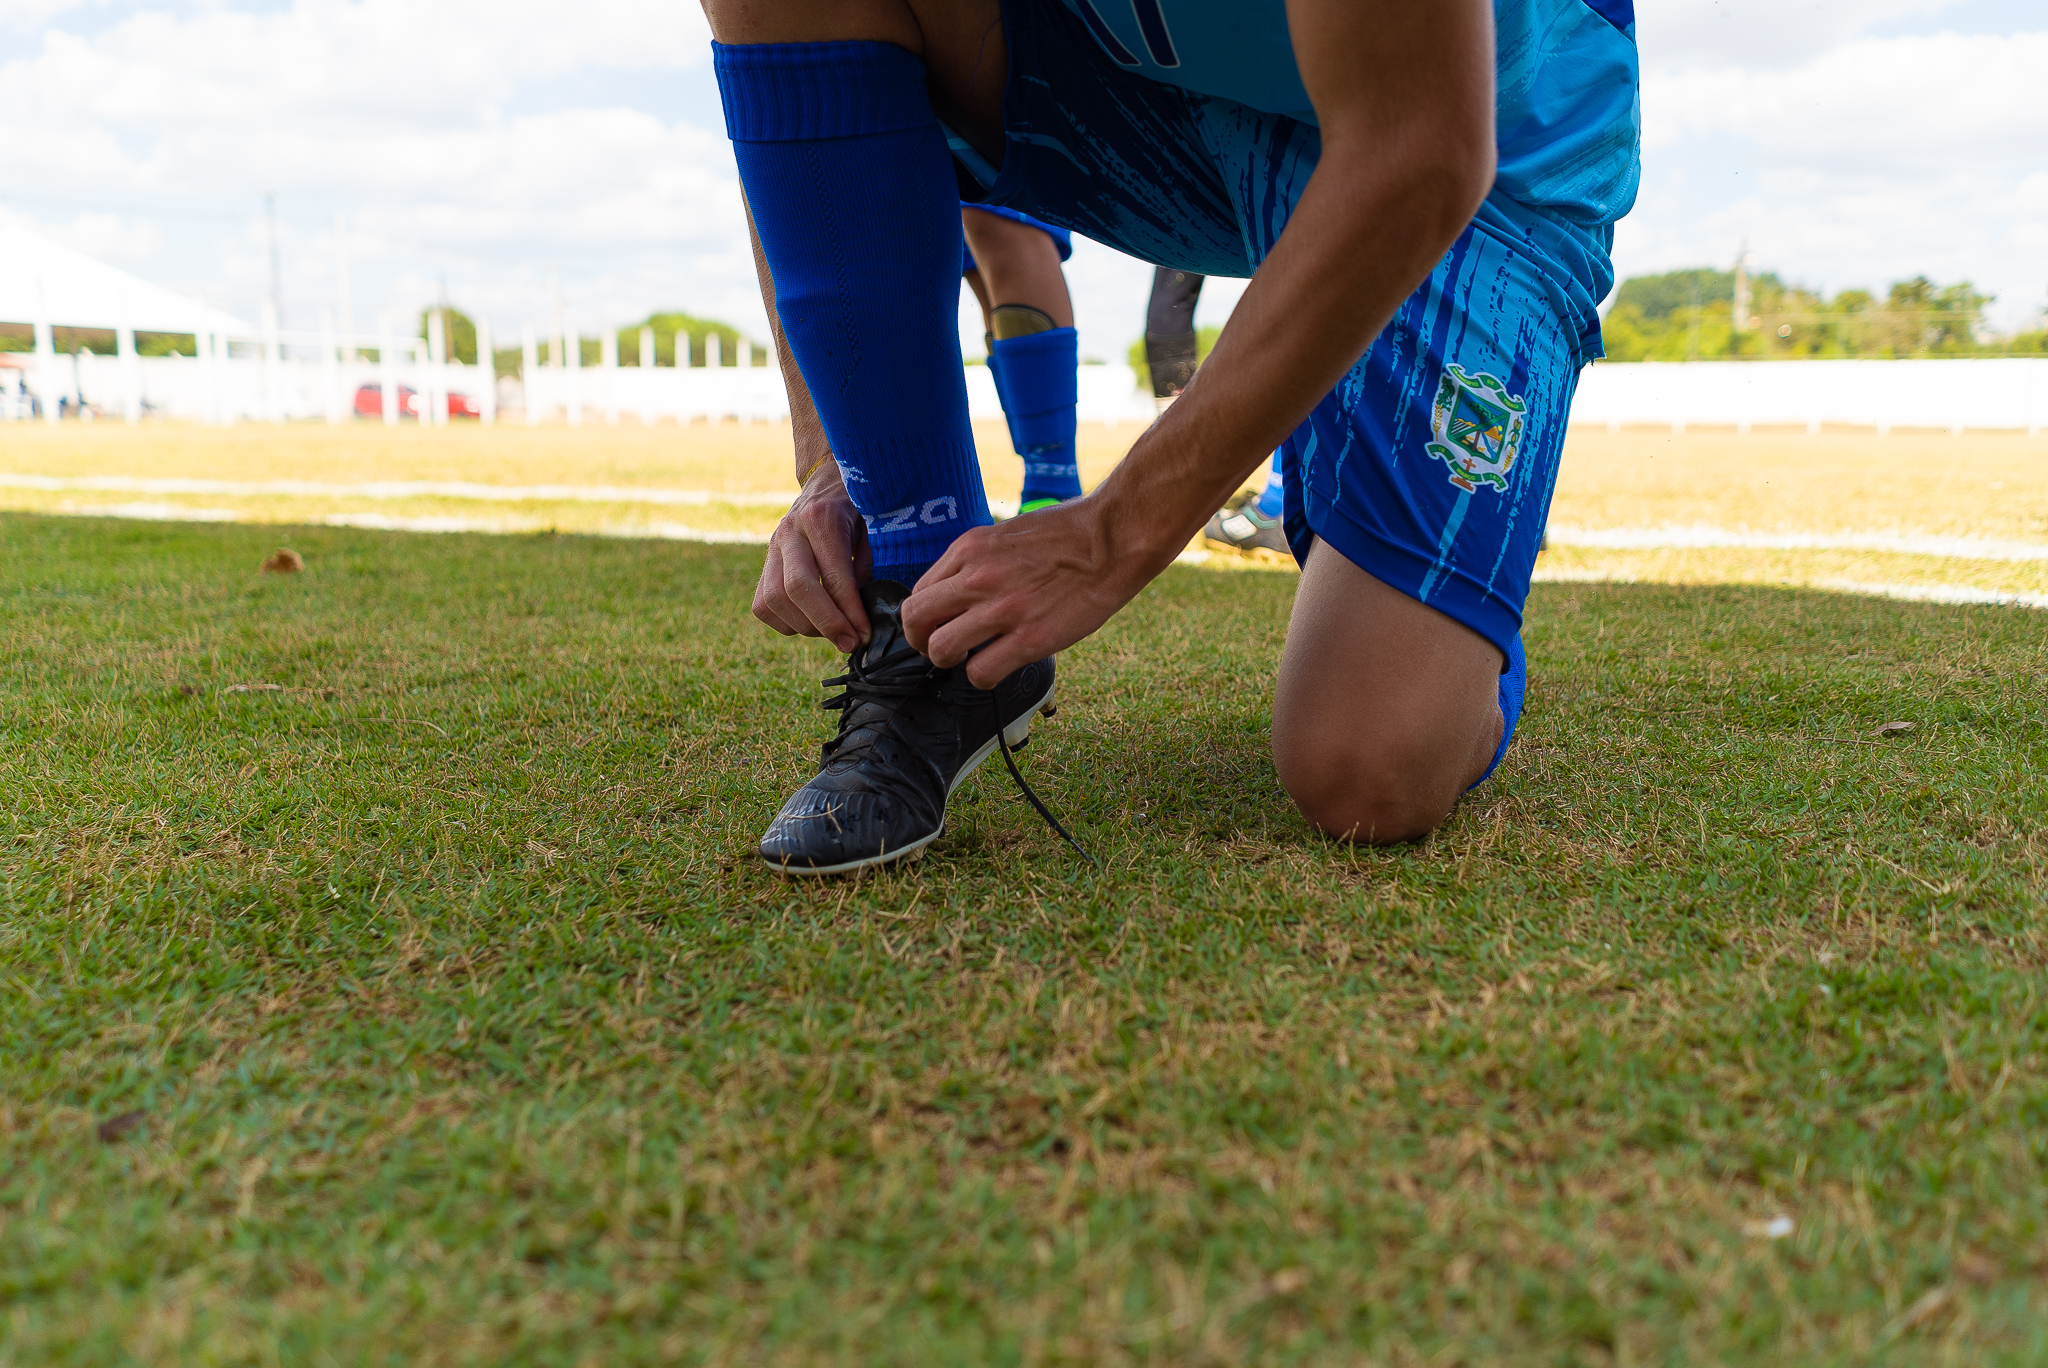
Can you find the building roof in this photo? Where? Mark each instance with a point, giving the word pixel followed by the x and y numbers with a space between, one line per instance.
pixel 44 281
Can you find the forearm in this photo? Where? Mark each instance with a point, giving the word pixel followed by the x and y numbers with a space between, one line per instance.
pixel 1334 280
pixel 1407 156
pixel 813 449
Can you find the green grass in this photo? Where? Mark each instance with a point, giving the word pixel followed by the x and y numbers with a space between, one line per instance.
pixel 462 1028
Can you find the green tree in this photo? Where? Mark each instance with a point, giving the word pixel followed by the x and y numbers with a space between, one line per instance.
pixel 459 328
pixel 667 325
pixel 1685 315
pixel 1656 298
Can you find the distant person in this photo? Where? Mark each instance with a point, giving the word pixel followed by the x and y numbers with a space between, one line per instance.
pixel 1172 355
pixel 1012 263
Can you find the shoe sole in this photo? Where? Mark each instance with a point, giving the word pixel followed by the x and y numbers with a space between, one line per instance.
pixel 1016 734
pixel 1252 553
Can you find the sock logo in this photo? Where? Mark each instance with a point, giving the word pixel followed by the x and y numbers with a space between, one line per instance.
pixel 902 519
pixel 1051 471
pixel 943 509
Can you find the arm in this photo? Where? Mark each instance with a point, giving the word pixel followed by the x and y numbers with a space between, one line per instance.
pixel 1404 94
pixel 818 555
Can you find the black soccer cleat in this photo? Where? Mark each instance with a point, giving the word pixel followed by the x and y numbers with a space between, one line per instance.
pixel 909 735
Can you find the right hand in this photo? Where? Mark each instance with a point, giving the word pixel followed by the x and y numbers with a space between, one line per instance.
pixel 818 559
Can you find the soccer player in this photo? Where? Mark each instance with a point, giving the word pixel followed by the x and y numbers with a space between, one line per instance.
pixel 1032 347
pixel 1424 198
pixel 1171 355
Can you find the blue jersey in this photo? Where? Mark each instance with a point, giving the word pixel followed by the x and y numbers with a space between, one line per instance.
pixel 1567 113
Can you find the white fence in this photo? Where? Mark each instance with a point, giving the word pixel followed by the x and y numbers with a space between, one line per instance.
pixel 291 386
pixel 278 381
pixel 1991 392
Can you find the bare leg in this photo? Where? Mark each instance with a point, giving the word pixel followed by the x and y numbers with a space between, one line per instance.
pixel 1386 709
pixel 1016 264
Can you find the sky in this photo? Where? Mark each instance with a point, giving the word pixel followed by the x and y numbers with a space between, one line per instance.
pixel 515 153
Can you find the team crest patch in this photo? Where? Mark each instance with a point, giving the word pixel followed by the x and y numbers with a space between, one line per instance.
pixel 1478 427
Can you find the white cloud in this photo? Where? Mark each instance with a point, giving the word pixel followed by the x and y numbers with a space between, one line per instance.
pixel 30 14
pixel 1885 107
pixel 393 112
pixel 1875 159
pixel 1683 35
pixel 504 144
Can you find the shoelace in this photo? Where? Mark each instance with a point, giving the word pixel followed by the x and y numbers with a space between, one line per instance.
pixel 903 673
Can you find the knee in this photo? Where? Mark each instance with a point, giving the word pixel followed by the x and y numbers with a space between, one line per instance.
pixel 1374 791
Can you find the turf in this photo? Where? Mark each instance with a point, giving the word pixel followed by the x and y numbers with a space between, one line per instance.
pixel 429 1010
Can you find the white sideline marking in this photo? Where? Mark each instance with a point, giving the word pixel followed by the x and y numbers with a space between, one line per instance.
pixel 163 512
pixel 1935 593
pixel 380 522
pixel 394 489
pixel 1912 593
pixel 156 512
pixel 1672 538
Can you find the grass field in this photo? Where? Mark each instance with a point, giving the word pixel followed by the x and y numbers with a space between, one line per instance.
pixel 427 1008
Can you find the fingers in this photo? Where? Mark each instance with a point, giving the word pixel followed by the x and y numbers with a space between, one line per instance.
pixel 809 580
pixel 804 591
pixel 841 579
pixel 766 592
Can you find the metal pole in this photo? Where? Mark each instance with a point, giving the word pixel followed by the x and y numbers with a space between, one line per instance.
pixel 529 374
pixel 487 375
pixel 202 352
pixel 342 295
pixel 574 349
pixel 46 356
pixel 273 409
pixel 647 382
pixel 387 370
pixel 131 373
pixel 608 357
pixel 276 269
pixel 330 369
pixel 435 410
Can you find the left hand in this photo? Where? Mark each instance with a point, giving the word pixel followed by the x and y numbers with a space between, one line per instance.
pixel 1023 589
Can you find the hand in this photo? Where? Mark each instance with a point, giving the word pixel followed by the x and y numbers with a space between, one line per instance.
pixel 1025 588
pixel 818 558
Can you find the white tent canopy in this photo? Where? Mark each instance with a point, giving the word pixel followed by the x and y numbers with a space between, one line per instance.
pixel 46 282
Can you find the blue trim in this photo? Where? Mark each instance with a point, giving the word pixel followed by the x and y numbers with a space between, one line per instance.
pixel 1152 23
pixel 1620 13
pixel 1105 35
pixel 976 164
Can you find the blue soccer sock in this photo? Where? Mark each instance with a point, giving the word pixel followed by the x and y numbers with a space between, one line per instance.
pixel 1272 499
pixel 1514 682
pixel 852 191
pixel 995 373
pixel 1035 377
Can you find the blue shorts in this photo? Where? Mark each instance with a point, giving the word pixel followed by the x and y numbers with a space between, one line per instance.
pixel 1431 464
pixel 1061 238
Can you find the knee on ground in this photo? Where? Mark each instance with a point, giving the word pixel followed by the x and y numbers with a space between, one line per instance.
pixel 1374 790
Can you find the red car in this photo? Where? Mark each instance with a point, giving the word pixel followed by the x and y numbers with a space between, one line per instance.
pixel 370 403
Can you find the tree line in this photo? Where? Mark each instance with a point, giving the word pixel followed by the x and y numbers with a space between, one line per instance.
pixel 1677 316
pixel 1690 316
